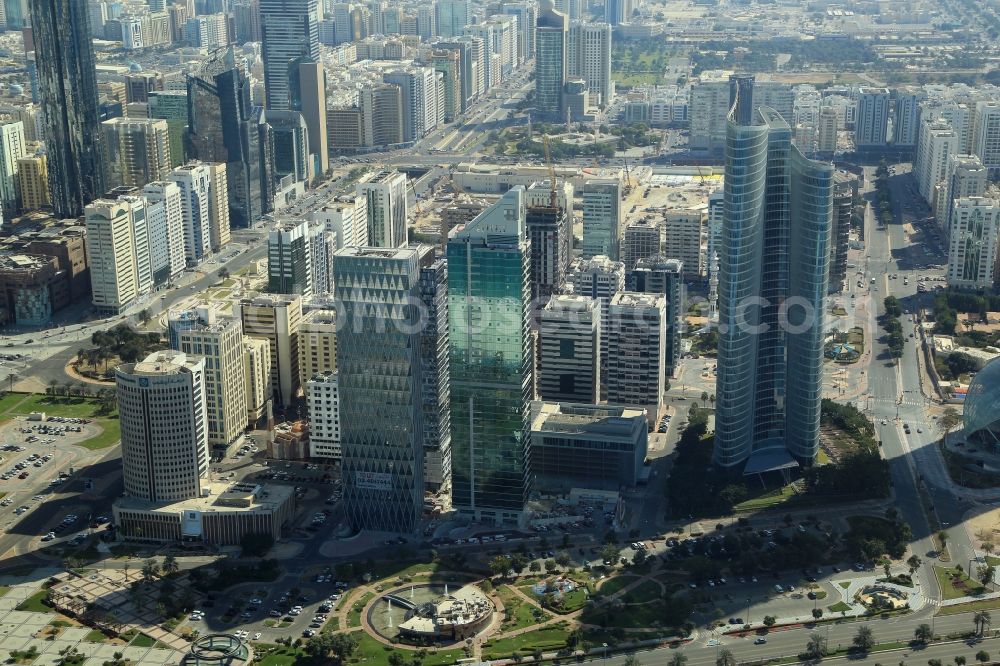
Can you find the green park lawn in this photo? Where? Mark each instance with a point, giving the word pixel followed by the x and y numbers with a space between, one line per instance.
pixel 519 613
pixel 956 584
pixel 34 603
pixel 547 639
pixel 22 404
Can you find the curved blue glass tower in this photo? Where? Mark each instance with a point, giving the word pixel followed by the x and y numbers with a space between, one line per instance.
pixel 774 264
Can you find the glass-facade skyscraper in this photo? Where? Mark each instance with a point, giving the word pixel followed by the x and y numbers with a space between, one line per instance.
pixel 774 260
pixel 378 360
pixel 223 127
pixel 491 363
pixel 67 78
pixel 289 35
pixel 551 33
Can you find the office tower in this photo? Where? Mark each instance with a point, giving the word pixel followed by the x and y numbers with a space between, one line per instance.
pixel 986 139
pixel 600 279
pixel 223 127
pixel 16 13
pixel 290 138
pixel 157 5
pixel 961 117
pixel 906 120
pixel 570 343
pixel 472 58
pixel 840 236
pixel 323 403
pixel 345 128
pixel 246 20
pixel 388 210
pixel 447 63
pixel 220 342
pixel 346 219
pixel 138 150
pixel 435 371
pixel 427 21
pixel 289 265
pixel 683 237
pixel 588 56
pixel 312 103
pixel 549 232
pixel 707 112
pixel 12 149
pixel 111 255
pixel 872 123
pixel 165 214
pixel 378 360
pixel 418 90
pixel 68 84
pixel 602 215
pixel 317 344
pixel 491 362
pixel 139 222
pixel 452 17
pixel 936 144
pixel 382 115
pixel 642 238
pixel 322 247
pixel 826 133
pixel 527 17
pixel 218 207
pixel 664 277
pixel 636 350
pixel 551 36
pixel 257 377
pixel 770 381
pixel 289 37
pixel 208 31
pixel 499 35
pixel 171 106
pixel 972 247
pixel 617 12
pixel 33 182
pixel 161 407
pixel 276 318
pixel 195 182
pixel 966 177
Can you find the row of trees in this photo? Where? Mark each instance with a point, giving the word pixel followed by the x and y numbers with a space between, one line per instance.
pixel 893 339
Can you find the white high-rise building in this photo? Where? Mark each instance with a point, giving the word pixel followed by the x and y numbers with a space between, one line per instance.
pixel 986 141
pixel 195 180
pixel 323 403
pixel 936 143
pixel 966 177
pixel 387 209
pixel 111 255
pixel 871 126
pixel 347 219
pixel 588 56
pixel 165 215
pixel 12 149
pixel 600 279
pixel 906 121
pixel 972 251
pixel 161 408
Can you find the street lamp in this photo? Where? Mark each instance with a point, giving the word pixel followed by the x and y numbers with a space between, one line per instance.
pixel 605 652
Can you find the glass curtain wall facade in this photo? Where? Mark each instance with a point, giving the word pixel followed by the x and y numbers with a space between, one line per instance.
pixel 378 360
pixel 772 281
pixel 491 362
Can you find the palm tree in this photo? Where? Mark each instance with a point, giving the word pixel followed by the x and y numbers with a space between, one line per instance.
pixel 816 647
pixel 678 659
pixel 982 620
pixel 864 639
pixel 725 658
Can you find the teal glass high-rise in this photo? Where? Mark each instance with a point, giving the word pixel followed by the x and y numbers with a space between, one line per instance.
pixel 491 365
pixel 774 264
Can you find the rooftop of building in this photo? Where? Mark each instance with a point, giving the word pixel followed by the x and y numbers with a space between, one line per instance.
pixel 219 497
pixel 324 377
pixel 165 362
pixel 319 318
pixel 635 300
pixel 596 420
pixel 23 262
pixel 574 302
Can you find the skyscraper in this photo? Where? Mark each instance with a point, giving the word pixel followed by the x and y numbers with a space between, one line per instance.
pixel 551 33
pixel 171 106
pixel 289 36
pixel 388 209
pixel 570 342
pixel 972 251
pixel 12 149
pixel 138 150
pixel 602 215
pixel 161 406
pixel 378 361
pixel 772 284
pixel 872 123
pixel 452 17
pixel 68 83
pixel 435 375
pixel 223 127
pixel 491 361
pixel 663 276
pixel 588 56
pixel 289 266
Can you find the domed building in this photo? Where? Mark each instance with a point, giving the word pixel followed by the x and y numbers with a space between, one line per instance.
pixel 981 417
